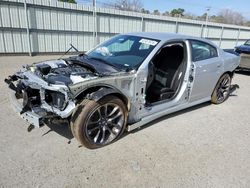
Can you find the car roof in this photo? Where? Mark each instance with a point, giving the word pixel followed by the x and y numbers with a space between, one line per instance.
pixel 164 36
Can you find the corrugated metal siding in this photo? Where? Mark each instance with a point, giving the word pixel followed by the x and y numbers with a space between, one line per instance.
pixel 230 33
pixel 244 34
pixel 53 25
pixel 213 32
pixel 189 29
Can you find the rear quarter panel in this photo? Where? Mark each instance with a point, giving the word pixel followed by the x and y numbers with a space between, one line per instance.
pixel 231 61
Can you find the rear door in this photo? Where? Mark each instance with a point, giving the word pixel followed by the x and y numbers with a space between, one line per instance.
pixel 207 67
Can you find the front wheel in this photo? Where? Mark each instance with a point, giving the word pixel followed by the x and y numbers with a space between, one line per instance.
pixel 96 124
pixel 222 89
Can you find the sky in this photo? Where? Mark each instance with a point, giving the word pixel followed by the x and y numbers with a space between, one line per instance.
pixel 197 7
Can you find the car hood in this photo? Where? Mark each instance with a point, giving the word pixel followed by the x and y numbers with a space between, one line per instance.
pixel 99 67
pixel 70 70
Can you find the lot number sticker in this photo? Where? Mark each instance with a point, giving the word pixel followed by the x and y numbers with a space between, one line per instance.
pixel 148 42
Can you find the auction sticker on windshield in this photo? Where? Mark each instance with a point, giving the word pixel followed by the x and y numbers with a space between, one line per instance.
pixel 148 42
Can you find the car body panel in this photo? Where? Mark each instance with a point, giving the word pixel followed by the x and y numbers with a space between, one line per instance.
pixel 203 81
pixel 244 62
pixel 244 48
pixel 244 52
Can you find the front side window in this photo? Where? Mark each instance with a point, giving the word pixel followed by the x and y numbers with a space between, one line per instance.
pixel 124 51
pixel 202 51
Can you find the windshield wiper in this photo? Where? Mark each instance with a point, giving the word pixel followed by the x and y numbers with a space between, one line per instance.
pixel 104 61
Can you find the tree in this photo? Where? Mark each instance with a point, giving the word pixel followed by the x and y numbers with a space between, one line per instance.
pixel 68 1
pixel 226 16
pixel 190 16
pixel 156 12
pixel 229 16
pixel 166 13
pixel 145 11
pixel 203 17
pixel 218 19
pixel 247 23
pixel 177 12
pixel 129 5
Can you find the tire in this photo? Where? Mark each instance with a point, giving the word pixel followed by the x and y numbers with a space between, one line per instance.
pixel 75 114
pixel 97 124
pixel 222 89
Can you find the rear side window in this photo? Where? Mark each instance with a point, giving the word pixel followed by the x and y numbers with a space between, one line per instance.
pixel 202 51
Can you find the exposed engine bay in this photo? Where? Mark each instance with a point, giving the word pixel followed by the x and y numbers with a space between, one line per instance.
pixel 61 72
pixel 49 89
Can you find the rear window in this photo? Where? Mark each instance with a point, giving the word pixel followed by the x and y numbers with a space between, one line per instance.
pixel 202 51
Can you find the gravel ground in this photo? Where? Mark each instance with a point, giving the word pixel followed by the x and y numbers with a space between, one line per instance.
pixel 204 146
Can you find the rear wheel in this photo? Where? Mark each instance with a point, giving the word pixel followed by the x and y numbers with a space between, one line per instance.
pixel 96 124
pixel 221 91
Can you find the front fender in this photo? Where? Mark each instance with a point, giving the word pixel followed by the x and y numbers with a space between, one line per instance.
pixel 97 95
pixel 104 91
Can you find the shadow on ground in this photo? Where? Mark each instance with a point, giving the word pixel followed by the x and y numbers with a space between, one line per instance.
pixel 172 115
pixel 243 72
pixel 63 129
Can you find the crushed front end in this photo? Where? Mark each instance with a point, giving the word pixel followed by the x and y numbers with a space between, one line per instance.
pixel 40 92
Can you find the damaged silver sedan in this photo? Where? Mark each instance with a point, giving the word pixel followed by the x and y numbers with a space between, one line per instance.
pixel 123 83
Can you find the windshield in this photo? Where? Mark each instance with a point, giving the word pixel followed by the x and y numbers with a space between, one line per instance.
pixel 124 51
pixel 247 43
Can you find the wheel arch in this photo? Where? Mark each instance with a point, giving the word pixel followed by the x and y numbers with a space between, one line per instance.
pixel 231 73
pixel 96 93
pixel 215 99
